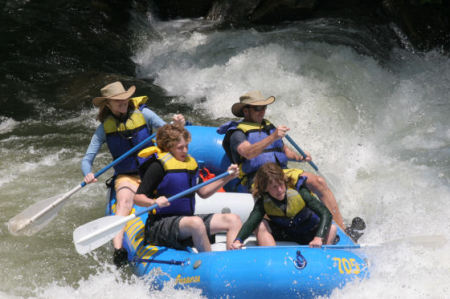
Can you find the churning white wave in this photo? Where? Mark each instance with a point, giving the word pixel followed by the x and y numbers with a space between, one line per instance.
pixel 378 130
pixel 109 283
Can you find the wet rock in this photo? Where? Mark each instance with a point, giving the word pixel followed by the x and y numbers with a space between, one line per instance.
pixel 426 23
pixel 170 9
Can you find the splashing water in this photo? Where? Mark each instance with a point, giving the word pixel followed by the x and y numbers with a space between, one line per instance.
pixel 378 129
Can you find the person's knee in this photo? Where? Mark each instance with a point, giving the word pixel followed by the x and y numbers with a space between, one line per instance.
pixel 124 204
pixel 333 229
pixel 264 235
pixel 332 234
pixel 317 183
pixel 233 220
pixel 262 228
pixel 125 199
pixel 321 181
pixel 192 226
pixel 196 223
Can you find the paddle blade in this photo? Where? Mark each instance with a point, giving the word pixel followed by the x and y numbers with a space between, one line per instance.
pixel 98 232
pixel 35 217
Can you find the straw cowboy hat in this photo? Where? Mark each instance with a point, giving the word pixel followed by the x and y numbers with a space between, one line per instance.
pixel 114 91
pixel 252 98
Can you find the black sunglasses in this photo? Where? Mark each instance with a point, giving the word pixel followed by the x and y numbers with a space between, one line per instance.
pixel 258 108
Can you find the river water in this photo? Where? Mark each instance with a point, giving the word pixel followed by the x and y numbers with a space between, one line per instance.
pixel 374 116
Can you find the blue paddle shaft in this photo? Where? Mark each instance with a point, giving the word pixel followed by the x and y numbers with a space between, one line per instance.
pixel 301 151
pixel 118 160
pixel 186 192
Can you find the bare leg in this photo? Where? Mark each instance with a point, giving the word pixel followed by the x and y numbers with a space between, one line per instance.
pixel 264 234
pixel 318 185
pixel 193 226
pixel 125 193
pixel 331 234
pixel 229 223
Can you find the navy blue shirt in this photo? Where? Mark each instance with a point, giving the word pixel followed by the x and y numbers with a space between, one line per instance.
pixel 236 138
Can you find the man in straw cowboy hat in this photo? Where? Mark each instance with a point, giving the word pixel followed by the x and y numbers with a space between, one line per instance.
pixel 125 122
pixel 254 141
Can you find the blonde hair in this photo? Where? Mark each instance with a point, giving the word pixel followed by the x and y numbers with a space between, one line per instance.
pixel 169 135
pixel 269 172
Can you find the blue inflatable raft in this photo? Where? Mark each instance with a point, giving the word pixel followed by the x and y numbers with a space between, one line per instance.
pixel 287 270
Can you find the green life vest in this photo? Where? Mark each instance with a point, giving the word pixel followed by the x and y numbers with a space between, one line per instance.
pixel 295 204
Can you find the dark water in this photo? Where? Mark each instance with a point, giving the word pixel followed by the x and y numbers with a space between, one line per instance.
pixel 58 53
pixel 373 113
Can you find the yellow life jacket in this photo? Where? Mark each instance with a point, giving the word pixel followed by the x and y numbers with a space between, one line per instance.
pixel 134 122
pixel 292 174
pixel 295 204
pixel 171 164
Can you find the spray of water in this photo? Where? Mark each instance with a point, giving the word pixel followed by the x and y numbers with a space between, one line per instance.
pixel 380 130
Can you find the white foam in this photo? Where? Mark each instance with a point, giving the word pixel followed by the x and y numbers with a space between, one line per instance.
pixel 7 124
pixel 110 283
pixel 379 130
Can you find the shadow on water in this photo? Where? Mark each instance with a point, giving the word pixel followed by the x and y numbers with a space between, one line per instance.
pixel 58 53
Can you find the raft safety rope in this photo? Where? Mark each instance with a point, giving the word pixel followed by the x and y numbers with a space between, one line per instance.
pixel 169 262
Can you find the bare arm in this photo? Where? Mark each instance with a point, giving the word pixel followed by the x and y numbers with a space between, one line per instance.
pixel 210 189
pixel 294 155
pixel 144 201
pixel 179 120
pixel 150 181
pixel 316 242
pixel 250 151
pixel 90 178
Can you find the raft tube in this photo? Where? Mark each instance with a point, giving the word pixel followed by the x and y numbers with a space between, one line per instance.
pixel 284 271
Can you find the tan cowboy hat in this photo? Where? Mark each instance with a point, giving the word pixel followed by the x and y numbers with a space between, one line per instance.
pixel 114 91
pixel 251 98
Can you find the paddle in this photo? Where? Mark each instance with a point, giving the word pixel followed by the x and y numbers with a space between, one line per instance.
pixel 310 162
pixel 37 216
pixel 94 234
pixel 301 152
pixel 428 241
pixel 434 241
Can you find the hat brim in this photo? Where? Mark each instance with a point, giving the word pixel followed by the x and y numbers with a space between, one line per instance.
pixel 236 109
pixel 98 101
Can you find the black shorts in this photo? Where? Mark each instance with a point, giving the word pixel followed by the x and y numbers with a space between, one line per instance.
pixel 165 231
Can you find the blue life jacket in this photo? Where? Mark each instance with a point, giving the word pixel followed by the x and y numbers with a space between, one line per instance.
pixel 123 136
pixel 255 133
pixel 179 176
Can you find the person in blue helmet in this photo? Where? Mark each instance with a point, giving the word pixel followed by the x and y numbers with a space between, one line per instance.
pixel 125 122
